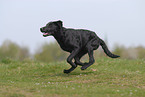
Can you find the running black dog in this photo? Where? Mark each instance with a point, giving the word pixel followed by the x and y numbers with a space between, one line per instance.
pixel 76 41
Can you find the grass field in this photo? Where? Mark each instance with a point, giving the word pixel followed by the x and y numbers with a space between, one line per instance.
pixel 106 78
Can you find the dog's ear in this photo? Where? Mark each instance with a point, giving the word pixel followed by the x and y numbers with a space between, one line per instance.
pixel 59 23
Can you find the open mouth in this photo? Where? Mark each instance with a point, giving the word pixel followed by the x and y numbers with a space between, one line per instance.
pixel 46 34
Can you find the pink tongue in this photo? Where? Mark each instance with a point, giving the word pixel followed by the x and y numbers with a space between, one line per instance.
pixel 45 34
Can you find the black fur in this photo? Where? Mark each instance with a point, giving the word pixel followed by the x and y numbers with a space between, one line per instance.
pixel 76 41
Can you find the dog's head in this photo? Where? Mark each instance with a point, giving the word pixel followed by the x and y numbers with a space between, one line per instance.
pixel 51 28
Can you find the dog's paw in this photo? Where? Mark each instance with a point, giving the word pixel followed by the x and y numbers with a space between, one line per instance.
pixel 85 66
pixel 66 71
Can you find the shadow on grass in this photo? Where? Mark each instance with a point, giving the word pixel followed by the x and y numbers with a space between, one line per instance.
pixel 63 75
pixel 73 73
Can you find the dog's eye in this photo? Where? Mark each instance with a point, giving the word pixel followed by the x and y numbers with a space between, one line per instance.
pixel 49 25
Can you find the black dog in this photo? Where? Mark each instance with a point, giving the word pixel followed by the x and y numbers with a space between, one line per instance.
pixel 76 41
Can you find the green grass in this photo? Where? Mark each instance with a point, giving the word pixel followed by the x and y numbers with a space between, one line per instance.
pixel 106 78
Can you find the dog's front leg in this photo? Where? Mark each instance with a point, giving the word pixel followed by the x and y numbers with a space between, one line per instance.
pixel 69 60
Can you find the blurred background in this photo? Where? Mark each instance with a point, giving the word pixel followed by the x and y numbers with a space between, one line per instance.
pixel 121 23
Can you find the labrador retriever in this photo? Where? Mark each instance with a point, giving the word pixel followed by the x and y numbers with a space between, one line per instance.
pixel 76 41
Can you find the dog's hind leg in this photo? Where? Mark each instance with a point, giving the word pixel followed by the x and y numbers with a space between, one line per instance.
pixel 69 60
pixel 91 60
pixel 92 45
pixel 78 62
pixel 79 56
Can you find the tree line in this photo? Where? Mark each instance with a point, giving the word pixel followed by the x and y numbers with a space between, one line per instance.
pixel 51 52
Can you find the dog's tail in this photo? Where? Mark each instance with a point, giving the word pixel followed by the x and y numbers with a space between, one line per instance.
pixel 106 50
